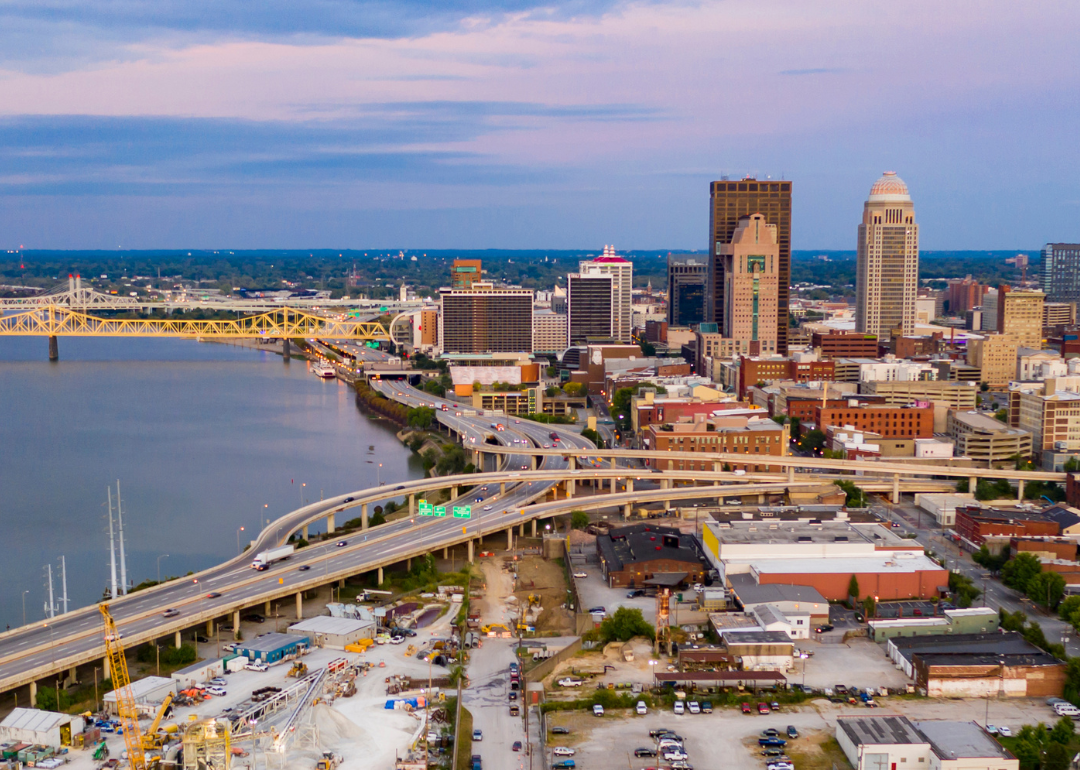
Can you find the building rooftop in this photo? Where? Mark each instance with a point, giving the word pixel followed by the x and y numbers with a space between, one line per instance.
pixel 961 740
pixel 884 729
pixel 879 561
pixel 646 542
pixel 145 686
pixel 748 532
pixel 1038 658
pixel 984 423
pixel 756 637
pixel 34 719
pixel 749 592
pixel 996 643
pixel 730 621
pixel 328 625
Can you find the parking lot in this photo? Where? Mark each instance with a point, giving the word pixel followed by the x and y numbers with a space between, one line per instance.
pixel 594 592
pixel 727 738
pixel 857 662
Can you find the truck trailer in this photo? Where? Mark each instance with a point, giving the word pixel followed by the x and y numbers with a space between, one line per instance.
pixel 264 559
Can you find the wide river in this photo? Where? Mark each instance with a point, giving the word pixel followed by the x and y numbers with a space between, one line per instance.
pixel 204 439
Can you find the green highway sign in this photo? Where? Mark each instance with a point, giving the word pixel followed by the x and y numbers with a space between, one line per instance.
pixel 426 509
pixel 440 510
pixel 462 512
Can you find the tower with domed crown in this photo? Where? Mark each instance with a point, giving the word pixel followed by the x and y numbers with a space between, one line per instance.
pixel 887 275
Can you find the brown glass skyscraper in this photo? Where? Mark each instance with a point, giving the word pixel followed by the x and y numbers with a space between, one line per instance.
pixel 729 201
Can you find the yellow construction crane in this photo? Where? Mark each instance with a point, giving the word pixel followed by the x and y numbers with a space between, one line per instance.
pixel 125 700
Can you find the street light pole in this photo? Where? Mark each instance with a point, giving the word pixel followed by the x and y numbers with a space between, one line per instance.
pixel 24 593
pixel 238 539
pixel 163 556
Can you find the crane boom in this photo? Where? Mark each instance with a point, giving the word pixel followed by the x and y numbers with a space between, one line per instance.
pixel 125 699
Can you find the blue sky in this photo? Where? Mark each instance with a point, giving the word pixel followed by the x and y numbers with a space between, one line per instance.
pixel 519 124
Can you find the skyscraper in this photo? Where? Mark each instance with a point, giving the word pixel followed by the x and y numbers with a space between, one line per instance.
pixel 751 261
pixel 1061 272
pixel 1020 313
pixel 484 319
pixel 687 274
pixel 887 270
pixel 622 283
pixel 728 202
pixel 466 272
pixel 589 306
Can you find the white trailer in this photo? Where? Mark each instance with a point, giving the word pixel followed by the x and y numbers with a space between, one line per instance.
pixel 264 559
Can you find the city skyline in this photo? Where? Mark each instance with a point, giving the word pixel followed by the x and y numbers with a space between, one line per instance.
pixel 516 125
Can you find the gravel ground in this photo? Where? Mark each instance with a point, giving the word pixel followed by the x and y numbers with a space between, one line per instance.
pixel 858 662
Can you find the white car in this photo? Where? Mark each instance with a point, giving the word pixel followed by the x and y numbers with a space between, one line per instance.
pixel 215 690
pixel 694 706
pixel 563 751
pixel 567 682
pixel 581 574
pixel 674 755
pixel 641 708
pixel 991 729
pixel 1004 731
pixel 487 507
pixel 257 665
pixel 598 710
pixel 680 707
pixel 780 766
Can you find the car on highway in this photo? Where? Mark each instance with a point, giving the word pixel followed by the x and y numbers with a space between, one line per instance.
pixel 213 595
pixel 304 567
pixel 341 543
pixel 478 500
pixel 349 499
pixel 172 612
pixel 487 507
pixel 114 637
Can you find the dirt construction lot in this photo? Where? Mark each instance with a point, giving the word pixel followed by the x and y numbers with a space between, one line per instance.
pixel 727 738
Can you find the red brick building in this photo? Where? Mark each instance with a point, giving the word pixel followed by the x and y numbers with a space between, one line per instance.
pixel 755 370
pixel 838 344
pixel 976 524
pixel 887 421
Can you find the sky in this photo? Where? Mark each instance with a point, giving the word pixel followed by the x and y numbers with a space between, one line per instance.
pixel 143 124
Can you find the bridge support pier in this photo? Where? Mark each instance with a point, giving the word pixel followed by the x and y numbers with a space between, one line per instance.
pixel 285 349
pixel 454 492
pixel 380 577
pixel 534 527
pixel 33 694
pixel 412 506
pixel 570 488
pixel 1020 489
pixel 236 625
pixel 445 553
pixel 470 552
pixel 571 462
pixel 532 460
pixel 266 608
pixel 896 489
pixel 305 535
pixel 972 484
pixel 209 628
pixel 363 516
pixel 330 523
pixel 502 487
pixel 521 530
pixel 626 511
pixel 716 467
pixel 510 539
pixel 178 641
pixel 299 605
pixel 614 485
pixel 791 474
pixel 629 484
pixel 54 349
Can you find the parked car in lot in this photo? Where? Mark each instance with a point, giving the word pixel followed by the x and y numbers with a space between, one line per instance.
pixel 644 752
pixel 824 628
pixel 673 755
pixel 563 751
pixel 745 708
pixel 763 708
pixel 792 732
pixel 635 593
pixel 694 707
pixel 478 735
pixel 706 707
pixel 581 574
pixel 774 706
pixel 1004 731
pixel 598 710
pixel 565 764
pixel 570 682
pixel 771 742
pixel 215 690
pixel 560 730
pixel 770 732
pixel 598 610
pixel 257 665
pixel 680 707
pixel 641 708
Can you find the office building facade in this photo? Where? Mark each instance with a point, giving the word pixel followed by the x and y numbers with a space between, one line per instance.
pixel 730 201
pixel 687 275
pixel 1020 313
pixel 1061 272
pixel 549 332
pixel 995 357
pixel 622 283
pixel 887 269
pixel 751 265
pixel 485 320
pixel 589 307
pixel 465 272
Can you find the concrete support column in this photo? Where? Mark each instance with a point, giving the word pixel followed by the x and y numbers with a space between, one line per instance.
pixel 570 488
pixel 54 349
pixel 266 608
pixel 380 578
pixel 408 563
pixel 236 624
pixel 510 539
pixel 106 668
pixel 412 506
pixel 33 685
pixel 363 516
pixel 665 483
pixel 572 462
pixel 532 460
pixel 1020 489
pixel 896 489
pixel 667 505
pixel 614 485
pixel 470 551
pixel 534 527
pixel 177 641
pixel 341 583
pixel 305 535
pixel 299 605
pixel 446 553
pixel 285 349
pixel 209 628
pixel 521 530
pixel 330 523
pixel 791 474
pixel 716 467
pixel 502 487
pixel 972 484
pixel 629 484
pixel 454 492
pixel 626 511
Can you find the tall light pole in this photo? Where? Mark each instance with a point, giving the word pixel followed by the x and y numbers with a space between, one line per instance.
pixel 24 593
pixel 163 556
pixel 241 529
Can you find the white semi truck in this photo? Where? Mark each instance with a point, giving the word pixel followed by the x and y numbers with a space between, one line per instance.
pixel 264 559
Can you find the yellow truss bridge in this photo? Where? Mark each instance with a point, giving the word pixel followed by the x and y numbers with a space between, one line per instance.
pixel 286 323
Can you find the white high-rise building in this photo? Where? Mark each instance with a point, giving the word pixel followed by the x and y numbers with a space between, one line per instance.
pixel 622 283
pixel 887 274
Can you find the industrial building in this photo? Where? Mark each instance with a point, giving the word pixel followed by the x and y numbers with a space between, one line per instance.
pixel 635 555
pixel 788 599
pixel 202 672
pixel 978 665
pixel 40 728
pixel 148 691
pixel 760 650
pixel 272 647
pixel 824 555
pixel 972 620
pixel 890 741
pixel 334 633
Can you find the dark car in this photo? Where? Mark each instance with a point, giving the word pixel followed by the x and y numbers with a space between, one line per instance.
pixel 560 730
pixel 643 752
pixel 777 742
pixel 633 594
pixel 513 695
pixel 305 567
pixel 792 732
pixel 254 617
pixel 516 746
pixel 213 595
pixel 824 628
pixel 349 499
pixel 658 732
pixel 399 486
pixel 201 639
pixel 774 706
pixel 341 543
pixel 706 707
pixel 772 753
pixel 772 732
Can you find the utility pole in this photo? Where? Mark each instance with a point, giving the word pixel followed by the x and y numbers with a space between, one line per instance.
pixel 50 606
pixel 123 562
pixel 63 584
pixel 112 548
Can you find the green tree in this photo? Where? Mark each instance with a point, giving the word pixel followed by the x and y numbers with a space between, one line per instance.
pixel 853 587
pixel 796 427
pixel 963 589
pixel 962 486
pixel 1057 756
pixel 1063 731
pixel 593 436
pixel 421 417
pixel 647 348
pixel 869 606
pixel 579 519
pixel 1002 415
pixel 624 624
pixel 573 388
pixel 551 391
pixel 1072 465
pixel 991 561
pixel 856 498
pixel 812 441
pixel 780 419
pixel 1047 589
pixel 434 387
pixel 1018 571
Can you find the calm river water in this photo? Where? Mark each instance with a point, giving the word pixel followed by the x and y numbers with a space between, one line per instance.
pixel 204 439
